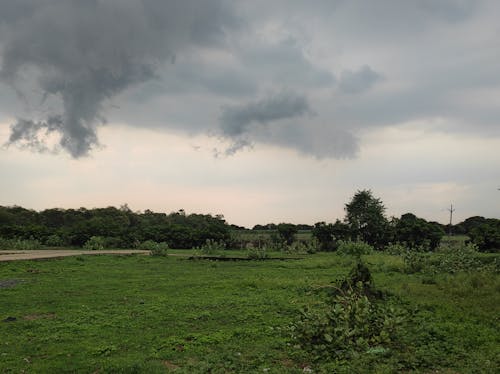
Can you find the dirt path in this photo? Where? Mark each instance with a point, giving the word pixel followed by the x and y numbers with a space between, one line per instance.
pixel 6 255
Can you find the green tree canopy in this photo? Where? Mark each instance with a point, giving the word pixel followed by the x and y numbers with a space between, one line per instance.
pixel 365 218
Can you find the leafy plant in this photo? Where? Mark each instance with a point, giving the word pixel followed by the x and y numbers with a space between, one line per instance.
pixel 416 261
pixel 20 244
pixel 257 253
pixel 352 322
pixel 95 243
pixel 395 249
pixel 55 241
pixel 357 248
pixel 154 248
pixel 212 247
pixel 455 259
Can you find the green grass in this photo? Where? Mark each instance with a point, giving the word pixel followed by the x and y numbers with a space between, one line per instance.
pixel 133 314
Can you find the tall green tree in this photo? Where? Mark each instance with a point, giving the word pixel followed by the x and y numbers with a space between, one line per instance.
pixel 366 220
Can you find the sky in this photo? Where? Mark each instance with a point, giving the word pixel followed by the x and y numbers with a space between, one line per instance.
pixel 263 111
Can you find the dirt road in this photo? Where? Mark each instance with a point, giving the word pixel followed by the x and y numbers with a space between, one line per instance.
pixel 6 255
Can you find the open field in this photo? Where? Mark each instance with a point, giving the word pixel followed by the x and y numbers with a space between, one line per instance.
pixel 130 314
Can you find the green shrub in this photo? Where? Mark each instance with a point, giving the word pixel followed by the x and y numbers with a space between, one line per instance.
pixel 212 247
pixel 416 261
pixel 154 248
pixel 352 322
pixel 354 248
pixel 55 241
pixel 20 244
pixel 303 246
pixel 453 259
pixel 95 243
pixel 396 249
pixel 257 253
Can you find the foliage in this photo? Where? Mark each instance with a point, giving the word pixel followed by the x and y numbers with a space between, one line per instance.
pixel 357 248
pixel 449 259
pixel 486 236
pixel 95 243
pixel 350 323
pixel 458 259
pixel 287 232
pixel 257 253
pixel 155 249
pixel 20 244
pixel 365 218
pixel 211 247
pixel 416 261
pixel 55 240
pixel 414 232
pixel 323 233
pixel 120 227
pixel 395 249
pixel 136 314
pixel 484 232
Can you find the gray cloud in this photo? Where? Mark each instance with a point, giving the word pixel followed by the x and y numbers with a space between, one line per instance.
pixel 235 120
pixel 273 120
pixel 171 65
pixel 353 82
pixel 87 52
pixel 29 134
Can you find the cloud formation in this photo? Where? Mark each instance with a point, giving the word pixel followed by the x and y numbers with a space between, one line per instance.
pixel 172 65
pixel 235 120
pixel 281 119
pixel 83 53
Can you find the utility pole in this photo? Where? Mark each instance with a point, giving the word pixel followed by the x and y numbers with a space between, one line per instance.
pixel 451 210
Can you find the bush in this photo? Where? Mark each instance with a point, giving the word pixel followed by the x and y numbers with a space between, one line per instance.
pixel 20 244
pixel 95 243
pixel 396 249
pixel 449 259
pixel 354 248
pixel 351 323
pixel 416 261
pixel 257 253
pixel 212 247
pixel 456 259
pixel 154 248
pixel 55 241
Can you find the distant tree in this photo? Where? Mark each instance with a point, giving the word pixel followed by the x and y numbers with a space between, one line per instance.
pixel 486 235
pixel 341 231
pixel 323 233
pixel 365 219
pixel 286 232
pixel 415 232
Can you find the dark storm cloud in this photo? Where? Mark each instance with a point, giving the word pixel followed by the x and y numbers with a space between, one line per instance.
pixel 28 134
pixel 85 52
pixel 236 120
pixel 275 120
pixel 172 64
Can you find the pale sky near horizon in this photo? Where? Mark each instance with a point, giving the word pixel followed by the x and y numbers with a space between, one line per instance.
pixel 263 111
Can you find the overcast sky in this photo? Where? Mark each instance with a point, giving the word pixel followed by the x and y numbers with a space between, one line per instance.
pixel 263 111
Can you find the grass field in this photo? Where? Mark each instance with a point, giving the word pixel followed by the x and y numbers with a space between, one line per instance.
pixel 133 314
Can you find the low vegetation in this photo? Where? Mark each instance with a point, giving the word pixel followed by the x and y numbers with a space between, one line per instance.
pixel 364 295
pixel 323 313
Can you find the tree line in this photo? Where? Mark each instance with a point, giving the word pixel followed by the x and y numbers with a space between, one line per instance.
pixel 118 227
pixel 364 221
